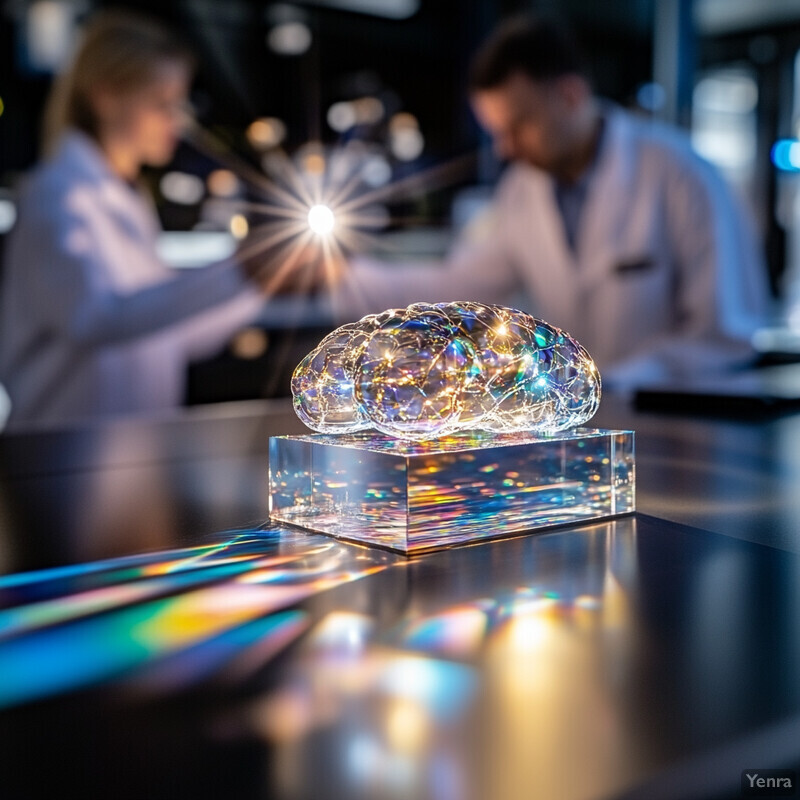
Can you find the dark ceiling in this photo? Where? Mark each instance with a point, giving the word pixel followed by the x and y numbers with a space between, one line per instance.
pixel 419 62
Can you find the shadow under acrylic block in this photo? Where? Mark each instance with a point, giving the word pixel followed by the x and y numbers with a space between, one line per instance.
pixel 415 496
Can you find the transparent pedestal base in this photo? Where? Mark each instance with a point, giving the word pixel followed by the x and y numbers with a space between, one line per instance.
pixel 416 496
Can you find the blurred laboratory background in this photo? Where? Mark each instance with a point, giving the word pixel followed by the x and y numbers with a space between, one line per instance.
pixel 377 89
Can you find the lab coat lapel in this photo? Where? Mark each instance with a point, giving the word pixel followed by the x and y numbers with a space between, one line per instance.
pixel 131 210
pixel 556 262
pixel 607 204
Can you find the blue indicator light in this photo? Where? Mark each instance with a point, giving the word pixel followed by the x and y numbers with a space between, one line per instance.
pixel 786 155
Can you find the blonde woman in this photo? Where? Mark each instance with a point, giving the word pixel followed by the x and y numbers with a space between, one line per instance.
pixel 93 324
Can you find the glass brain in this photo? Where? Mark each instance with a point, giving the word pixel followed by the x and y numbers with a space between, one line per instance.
pixel 431 370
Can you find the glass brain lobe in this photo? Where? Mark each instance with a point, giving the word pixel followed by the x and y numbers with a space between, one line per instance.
pixel 434 369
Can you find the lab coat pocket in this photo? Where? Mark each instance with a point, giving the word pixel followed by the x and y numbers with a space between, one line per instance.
pixel 642 294
pixel 636 265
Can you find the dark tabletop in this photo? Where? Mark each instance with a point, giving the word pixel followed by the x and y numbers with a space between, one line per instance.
pixel 157 640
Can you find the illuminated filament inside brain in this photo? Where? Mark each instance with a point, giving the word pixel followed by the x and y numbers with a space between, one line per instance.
pixel 431 370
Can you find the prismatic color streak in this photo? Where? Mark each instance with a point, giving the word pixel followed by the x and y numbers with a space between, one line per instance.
pixel 127 585
pixel 141 626
pixel 55 581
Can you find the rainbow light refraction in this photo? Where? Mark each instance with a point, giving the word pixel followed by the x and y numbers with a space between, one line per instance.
pixel 172 617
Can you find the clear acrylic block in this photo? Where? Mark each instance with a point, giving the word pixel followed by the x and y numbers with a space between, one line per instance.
pixel 416 496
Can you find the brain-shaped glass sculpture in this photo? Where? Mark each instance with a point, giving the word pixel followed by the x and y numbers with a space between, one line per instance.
pixel 431 370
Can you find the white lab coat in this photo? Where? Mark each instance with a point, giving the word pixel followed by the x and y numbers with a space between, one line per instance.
pixel 92 322
pixel 666 268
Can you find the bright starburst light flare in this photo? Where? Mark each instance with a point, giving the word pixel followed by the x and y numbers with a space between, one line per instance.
pixel 327 210
pixel 321 219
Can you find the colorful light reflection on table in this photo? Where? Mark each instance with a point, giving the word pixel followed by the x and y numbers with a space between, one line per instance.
pixel 410 707
pixel 207 602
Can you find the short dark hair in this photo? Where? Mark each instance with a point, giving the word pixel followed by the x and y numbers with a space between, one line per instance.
pixel 536 46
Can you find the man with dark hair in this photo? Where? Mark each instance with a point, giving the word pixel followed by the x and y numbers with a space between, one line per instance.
pixel 535 46
pixel 530 92
pixel 614 228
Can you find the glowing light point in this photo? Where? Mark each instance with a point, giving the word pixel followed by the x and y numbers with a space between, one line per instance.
pixel 321 219
pixel 239 226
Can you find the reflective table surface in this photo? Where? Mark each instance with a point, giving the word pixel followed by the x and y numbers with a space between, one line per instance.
pixel 158 639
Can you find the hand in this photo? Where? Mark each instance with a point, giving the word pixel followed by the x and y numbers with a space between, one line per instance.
pixel 289 268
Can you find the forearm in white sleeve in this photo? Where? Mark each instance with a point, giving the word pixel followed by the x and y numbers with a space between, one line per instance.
pixel 478 272
pixel 205 334
pixel 86 307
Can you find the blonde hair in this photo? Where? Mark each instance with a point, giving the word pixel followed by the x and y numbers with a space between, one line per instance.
pixel 119 51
